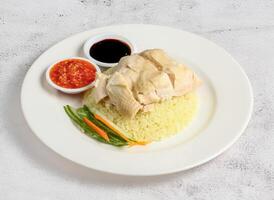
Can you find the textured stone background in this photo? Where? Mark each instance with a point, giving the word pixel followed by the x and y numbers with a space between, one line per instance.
pixel 29 170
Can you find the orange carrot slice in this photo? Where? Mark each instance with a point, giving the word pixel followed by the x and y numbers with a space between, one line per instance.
pixel 102 133
pixel 111 127
pixel 131 143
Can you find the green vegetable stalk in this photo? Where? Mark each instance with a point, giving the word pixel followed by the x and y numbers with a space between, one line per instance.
pixel 77 118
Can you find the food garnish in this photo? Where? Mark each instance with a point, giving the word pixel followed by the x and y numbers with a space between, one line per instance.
pixel 131 143
pixel 85 120
pixel 97 129
pixel 111 127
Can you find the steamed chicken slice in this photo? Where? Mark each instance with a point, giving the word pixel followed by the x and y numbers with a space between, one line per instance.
pixel 144 89
pixel 163 85
pixel 137 71
pixel 99 92
pixel 134 62
pixel 130 76
pixel 131 66
pixel 182 78
pixel 140 80
pixel 121 96
pixel 159 58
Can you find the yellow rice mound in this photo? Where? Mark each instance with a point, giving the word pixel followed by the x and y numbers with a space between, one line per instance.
pixel 166 119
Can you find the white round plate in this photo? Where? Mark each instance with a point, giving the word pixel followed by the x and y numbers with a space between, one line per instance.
pixel 225 106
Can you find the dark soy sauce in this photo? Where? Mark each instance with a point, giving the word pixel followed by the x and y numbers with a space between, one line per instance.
pixel 109 50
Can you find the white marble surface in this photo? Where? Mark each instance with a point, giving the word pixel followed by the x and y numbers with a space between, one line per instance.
pixel 29 170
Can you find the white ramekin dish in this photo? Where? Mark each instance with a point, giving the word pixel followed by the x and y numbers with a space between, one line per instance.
pixel 94 39
pixel 70 90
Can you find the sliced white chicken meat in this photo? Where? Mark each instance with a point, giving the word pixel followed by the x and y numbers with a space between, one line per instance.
pixel 134 62
pixel 99 92
pixel 121 96
pixel 148 107
pixel 130 75
pixel 183 79
pixel 130 67
pixel 144 88
pixel 159 58
pixel 141 80
pixel 163 85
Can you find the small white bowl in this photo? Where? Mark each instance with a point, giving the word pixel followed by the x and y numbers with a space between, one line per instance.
pixel 91 41
pixel 70 90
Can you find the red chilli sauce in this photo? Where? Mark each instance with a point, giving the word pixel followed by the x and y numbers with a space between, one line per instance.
pixel 72 73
